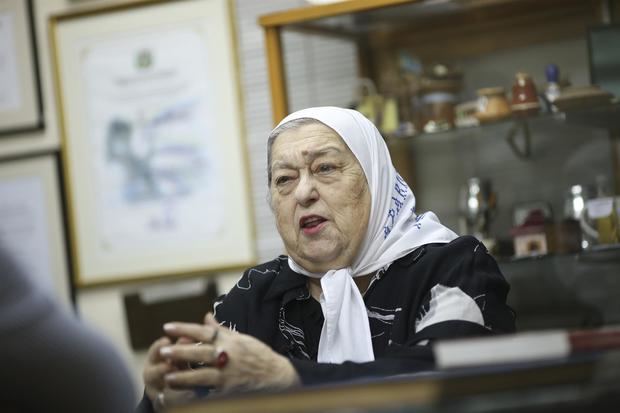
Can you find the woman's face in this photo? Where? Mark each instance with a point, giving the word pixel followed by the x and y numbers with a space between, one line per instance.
pixel 320 197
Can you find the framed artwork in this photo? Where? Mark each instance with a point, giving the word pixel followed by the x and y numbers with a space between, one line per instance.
pixel 20 92
pixel 31 221
pixel 152 136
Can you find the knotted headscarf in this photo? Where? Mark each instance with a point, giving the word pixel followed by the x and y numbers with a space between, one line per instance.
pixel 394 230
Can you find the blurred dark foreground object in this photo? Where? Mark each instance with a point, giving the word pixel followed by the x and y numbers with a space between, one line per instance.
pixel 50 361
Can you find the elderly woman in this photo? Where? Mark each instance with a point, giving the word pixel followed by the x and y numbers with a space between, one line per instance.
pixel 366 287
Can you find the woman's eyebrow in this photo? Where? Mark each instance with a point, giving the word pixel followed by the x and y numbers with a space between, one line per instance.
pixel 282 165
pixel 312 155
pixel 309 156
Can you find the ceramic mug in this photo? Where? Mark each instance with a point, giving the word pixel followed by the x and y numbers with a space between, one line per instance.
pixel 492 104
pixel 438 111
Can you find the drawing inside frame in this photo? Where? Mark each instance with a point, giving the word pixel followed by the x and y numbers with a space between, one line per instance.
pixel 21 107
pixel 31 222
pixel 153 138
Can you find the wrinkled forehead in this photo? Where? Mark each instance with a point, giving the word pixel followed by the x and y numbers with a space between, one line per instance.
pixel 311 134
pixel 348 124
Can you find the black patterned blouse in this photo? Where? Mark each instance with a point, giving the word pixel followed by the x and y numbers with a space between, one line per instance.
pixel 437 291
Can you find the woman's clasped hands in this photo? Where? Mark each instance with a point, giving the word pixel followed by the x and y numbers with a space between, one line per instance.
pixel 194 356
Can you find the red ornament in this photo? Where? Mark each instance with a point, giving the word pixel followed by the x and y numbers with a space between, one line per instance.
pixel 221 359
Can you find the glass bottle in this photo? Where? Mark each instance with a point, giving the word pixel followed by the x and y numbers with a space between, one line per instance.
pixel 552 92
pixel 602 210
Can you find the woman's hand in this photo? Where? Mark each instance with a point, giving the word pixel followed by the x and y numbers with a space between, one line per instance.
pixel 250 365
pixel 155 369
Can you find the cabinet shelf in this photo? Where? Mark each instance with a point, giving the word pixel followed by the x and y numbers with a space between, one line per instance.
pixel 602 117
pixel 597 254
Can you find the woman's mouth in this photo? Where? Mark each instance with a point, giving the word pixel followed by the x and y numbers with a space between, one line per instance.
pixel 312 224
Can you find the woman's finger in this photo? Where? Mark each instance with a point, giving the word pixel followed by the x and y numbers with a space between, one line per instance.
pixel 154 374
pixel 189 352
pixel 153 353
pixel 158 370
pixel 206 376
pixel 211 321
pixel 197 332
pixel 185 340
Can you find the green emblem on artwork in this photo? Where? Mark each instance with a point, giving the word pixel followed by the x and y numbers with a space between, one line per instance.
pixel 144 59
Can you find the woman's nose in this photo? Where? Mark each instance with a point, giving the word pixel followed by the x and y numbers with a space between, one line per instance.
pixel 306 191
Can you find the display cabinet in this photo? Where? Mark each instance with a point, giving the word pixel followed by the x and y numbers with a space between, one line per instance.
pixel 530 159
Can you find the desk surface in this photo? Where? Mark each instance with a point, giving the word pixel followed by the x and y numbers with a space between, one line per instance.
pixel 579 382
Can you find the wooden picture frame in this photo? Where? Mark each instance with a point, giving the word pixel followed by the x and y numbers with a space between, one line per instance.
pixel 153 140
pixel 21 105
pixel 32 222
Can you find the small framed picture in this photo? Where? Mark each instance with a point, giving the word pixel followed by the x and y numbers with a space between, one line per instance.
pixel 153 140
pixel 21 107
pixel 31 221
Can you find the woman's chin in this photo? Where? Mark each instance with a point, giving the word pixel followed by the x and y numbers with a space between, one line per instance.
pixel 317 262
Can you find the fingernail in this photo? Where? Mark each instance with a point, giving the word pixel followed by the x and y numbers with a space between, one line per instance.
pixel 169 326
pixel 165 351
pixel 170 377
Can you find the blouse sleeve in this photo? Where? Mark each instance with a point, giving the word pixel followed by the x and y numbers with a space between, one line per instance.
pixel 465 296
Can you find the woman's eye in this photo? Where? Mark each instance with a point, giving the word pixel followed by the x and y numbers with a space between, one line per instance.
pixel 281 180
pixel 325 168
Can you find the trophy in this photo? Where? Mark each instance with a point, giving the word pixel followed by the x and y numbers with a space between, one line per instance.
pixel 477 204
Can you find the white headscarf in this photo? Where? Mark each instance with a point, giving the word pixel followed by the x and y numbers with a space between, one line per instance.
pixel 394 230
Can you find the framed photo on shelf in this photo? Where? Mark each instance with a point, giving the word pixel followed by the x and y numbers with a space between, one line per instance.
pixel 31 221
pixel 21 107
pixel 153 140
